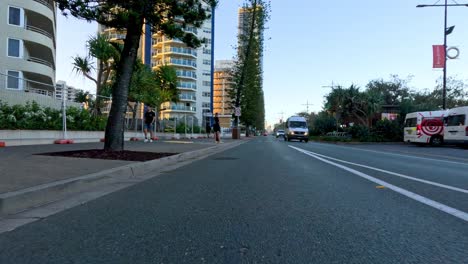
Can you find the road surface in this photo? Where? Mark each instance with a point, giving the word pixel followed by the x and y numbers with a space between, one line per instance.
pixel 270 201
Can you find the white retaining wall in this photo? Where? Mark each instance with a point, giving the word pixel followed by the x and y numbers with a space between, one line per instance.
pixel 38 137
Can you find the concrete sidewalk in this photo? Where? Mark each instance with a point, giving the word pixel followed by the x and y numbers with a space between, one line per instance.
pixel 20 168
pixel 28 181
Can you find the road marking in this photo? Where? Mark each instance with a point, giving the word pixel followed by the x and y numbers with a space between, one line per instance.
pixel 400 155
pixel 393 173
pixel 442 207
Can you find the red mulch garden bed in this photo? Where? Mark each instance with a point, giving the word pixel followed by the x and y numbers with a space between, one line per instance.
pixel 111 155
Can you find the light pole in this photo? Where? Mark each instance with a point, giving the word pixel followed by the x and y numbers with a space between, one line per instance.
pixel 446 32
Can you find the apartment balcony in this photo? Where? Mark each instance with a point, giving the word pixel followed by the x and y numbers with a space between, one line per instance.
pixel 40 23
pixel 39 53
pixel 191 86
pixel 186 74
pixel 175 51
pixel 38 83
pixel 192 64
pixel 187 97
pixel 180 109
pixel 158 41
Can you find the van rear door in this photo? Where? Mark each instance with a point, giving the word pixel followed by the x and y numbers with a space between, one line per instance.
pixel 456 128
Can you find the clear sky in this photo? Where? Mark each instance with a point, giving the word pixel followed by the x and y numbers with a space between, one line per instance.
pixel 312 43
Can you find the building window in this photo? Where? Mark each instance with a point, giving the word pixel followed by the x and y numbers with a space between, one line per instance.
pixel 206 73
pixel 207 62
pixel 14 80
pixel 206 94
pixel 206 105
pixel 206 83
pixel 15 48
pixel 206 51
pixel 15 16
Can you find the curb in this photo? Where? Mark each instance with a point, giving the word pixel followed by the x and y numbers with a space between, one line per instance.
pixel 21 200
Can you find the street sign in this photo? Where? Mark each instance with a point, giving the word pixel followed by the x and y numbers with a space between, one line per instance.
pixel 237 111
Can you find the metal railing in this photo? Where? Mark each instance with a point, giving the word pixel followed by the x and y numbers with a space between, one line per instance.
pixel 184 51
pixel 188 74
pixel 40 31
pixel 41 61
pixel 187 85
pixel 182 108
pixel 187 97
pixel 181 62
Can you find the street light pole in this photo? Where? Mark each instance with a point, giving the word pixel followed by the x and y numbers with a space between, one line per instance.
pixel 444 81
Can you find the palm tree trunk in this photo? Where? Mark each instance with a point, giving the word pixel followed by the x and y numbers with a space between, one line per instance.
pixel 114 138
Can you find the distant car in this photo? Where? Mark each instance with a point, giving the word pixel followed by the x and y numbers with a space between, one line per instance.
pixel 265 134
pixel 279 133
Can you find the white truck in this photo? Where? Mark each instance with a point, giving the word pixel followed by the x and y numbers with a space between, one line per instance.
pixel 425 127
pixel 456 129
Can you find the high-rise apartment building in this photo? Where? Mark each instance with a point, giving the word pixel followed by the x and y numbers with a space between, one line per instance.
pixel 223 85
pixel 62 89
pixel 193 67
pixel 28 45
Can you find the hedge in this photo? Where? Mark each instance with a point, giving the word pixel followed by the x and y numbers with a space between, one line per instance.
pixel 32 116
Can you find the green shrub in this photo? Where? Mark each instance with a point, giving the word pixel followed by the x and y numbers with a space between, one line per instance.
pixel 387 131
pixel 181 128
pixel 359 132
pixel 32 116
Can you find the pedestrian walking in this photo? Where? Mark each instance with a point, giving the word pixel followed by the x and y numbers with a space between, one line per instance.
pixel 217 128
pixel 149 117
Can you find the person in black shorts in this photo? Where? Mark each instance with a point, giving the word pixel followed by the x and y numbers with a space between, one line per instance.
pixel 150 116
pixel 217 128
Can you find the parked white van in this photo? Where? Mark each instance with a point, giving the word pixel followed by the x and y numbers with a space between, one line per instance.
pixel 296 128
pixel 456 129
pixel 425 127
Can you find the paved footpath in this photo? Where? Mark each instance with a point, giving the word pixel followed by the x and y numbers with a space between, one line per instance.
pixel 21 168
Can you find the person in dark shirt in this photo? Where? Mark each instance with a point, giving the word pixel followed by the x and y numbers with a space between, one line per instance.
pixel 150 116
pixel 217 128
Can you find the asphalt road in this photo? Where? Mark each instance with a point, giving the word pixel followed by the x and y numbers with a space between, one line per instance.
pixel 269 201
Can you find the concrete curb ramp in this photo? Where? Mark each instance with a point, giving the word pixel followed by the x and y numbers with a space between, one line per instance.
pixel 21 200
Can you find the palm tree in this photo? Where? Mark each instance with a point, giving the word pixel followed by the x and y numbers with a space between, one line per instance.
pixel 106 54
pixel 166 78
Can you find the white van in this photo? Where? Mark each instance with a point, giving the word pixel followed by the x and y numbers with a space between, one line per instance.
pixel 296 128
pixel 425 127
pixel 456 129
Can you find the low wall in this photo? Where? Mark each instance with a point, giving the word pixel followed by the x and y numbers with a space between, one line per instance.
pixel 38 137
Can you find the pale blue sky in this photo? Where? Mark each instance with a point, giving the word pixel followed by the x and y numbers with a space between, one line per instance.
pixel 315 43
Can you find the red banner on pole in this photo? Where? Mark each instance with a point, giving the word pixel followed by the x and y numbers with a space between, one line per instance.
pixel 438 52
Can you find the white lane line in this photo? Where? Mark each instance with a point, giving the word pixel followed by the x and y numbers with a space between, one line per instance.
pixel 439 206
pixel 400 155
pixel 393 173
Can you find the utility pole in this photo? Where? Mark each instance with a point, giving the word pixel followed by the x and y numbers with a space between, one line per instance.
pixel 447 31
pixel 307 104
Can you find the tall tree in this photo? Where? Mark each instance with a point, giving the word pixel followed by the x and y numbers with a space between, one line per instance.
pixel 106 54
pixel 248 90
pixel 168 17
